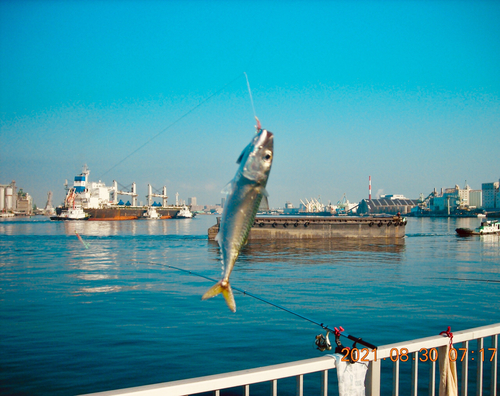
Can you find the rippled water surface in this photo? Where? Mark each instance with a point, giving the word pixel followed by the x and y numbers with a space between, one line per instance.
pixel 76 320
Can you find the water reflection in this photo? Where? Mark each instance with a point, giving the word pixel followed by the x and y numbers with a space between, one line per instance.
pixel 29 225
pixel 132 227
pixel 429 226
pixel 121 252
pixel 492 240
pixel 320 250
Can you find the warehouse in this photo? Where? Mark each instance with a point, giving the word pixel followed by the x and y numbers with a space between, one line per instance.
pixel 387 204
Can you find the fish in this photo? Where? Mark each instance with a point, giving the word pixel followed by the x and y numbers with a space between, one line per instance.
pixel 244 196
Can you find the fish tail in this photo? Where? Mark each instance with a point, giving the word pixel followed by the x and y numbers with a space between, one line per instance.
pixel 226 291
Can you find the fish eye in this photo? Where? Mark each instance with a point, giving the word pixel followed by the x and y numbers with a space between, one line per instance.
pixel 268 156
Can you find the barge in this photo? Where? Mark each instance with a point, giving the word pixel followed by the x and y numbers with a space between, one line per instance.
pixel 309 227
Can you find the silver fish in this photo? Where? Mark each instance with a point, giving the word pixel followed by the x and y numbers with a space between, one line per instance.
pixel 245 193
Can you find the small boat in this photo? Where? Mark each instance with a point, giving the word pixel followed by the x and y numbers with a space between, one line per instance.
pixel 151 214
pixel 486 228
pixel 184 213
pixel 75 213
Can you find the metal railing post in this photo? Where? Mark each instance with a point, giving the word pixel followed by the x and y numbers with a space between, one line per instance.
pixel 494 369
pixel 465 368
pixel 414 374
pixel 300 385
pixel 432 379
pixel 479 372
pixel 274 388
pixel 372 382
pixel 324 383
pixel 395 378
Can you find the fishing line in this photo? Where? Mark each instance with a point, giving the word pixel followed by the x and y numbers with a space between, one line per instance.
pixel 245 292
pixel 250 92
pixel 172 124
pixel 470 280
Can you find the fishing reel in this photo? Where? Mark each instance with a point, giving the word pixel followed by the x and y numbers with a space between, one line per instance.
pixel 323 342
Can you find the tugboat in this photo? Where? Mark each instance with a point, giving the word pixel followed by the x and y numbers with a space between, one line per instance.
pixel 70 211
pixel 486 228
pixel 151 214
pixel 75 213
pixel 184 213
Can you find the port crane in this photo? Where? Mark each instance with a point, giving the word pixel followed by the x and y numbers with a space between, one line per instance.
pixel 151 195
pixel 132 193
pixel 344 206
pixel 313 206
pixel 425 201
pixel 48 205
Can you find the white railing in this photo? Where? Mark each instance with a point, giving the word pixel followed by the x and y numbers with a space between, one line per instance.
pixel 427 349
pixel 422 352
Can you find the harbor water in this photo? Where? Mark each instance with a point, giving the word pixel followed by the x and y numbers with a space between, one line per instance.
pixel 77 320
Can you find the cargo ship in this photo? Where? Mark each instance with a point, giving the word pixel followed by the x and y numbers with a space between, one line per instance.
pixel 101 202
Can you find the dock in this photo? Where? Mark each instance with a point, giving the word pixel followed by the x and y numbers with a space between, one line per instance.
pixel 322 227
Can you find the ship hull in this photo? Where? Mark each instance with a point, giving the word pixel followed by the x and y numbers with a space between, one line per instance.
pixel 464 232
pixel 128 213
pixel 64 218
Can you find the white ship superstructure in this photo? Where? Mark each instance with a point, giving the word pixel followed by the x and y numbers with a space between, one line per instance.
pixel 89 195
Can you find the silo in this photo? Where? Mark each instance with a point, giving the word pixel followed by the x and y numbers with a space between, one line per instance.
pixel 8 198
pixel 2 197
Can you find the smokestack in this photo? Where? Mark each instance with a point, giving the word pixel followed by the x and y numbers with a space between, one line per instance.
pixel 369 187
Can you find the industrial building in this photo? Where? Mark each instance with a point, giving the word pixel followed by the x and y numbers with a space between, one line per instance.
pixel 24 203
pixel 7 200
pixel 387 204
pixel 491 195
pixel 14 202
pixel 447 201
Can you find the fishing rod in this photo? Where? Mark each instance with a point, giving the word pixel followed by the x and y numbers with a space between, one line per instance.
pixel 336 331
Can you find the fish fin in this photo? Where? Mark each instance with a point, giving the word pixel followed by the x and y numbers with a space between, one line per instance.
pixel 229 297
pixel 228 189
pixel 213 291
pixel 242 155
pixel 226 292
pixel 264 203
pixel 264 192
pixel 240 158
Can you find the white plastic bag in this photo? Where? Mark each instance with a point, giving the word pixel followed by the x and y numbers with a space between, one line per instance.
pixel 351 377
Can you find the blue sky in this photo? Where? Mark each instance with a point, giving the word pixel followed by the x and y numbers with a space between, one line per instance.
pixel 405 91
